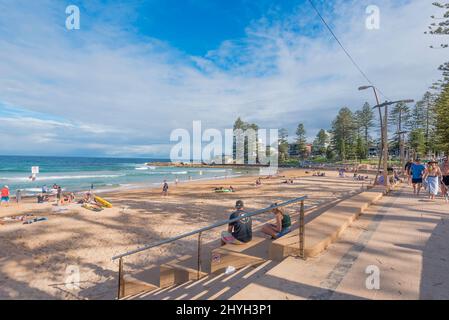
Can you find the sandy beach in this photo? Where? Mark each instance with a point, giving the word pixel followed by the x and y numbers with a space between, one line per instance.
pixel 36 259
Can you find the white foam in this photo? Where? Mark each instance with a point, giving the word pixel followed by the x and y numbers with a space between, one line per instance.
pixel 179 172
pixel 78 177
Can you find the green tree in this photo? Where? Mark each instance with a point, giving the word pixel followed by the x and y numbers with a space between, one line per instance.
pixel 320 143
pixel 283 144
pixel 399 115
pixel 440 26
pixel 344 133
pixel 442 123
pixel 366 120
pixel 301 140
pixel 239 124
pixel 417 141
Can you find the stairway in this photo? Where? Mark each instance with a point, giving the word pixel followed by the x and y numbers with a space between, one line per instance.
pixel 211 287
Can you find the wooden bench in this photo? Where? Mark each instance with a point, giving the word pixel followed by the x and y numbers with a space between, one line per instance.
pixel 326 228
pixel 252 253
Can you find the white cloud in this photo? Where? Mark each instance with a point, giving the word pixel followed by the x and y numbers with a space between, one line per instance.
pixel 127 93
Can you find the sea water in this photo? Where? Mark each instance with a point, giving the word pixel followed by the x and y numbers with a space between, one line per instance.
pixel 80 173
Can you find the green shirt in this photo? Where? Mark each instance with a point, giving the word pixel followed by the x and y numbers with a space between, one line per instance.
pixel 286 221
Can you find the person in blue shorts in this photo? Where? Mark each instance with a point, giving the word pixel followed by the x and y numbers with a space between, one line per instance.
pixel 417 170
pixel 281 227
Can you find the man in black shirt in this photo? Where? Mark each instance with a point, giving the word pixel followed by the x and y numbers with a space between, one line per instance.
pixel 239 231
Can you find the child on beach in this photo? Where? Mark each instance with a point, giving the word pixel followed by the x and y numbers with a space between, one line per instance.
pixel 282 225
pixel 4 196
pixel 240 231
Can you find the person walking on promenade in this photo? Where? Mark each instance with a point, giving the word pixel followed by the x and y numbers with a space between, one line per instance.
pixel 407 168
pixel 417 170
pixel 432 176
pixel 445 175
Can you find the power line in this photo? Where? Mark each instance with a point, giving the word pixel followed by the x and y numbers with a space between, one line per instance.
pixel 344 49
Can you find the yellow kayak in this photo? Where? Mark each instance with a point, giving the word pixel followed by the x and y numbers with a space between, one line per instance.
pixel 103 202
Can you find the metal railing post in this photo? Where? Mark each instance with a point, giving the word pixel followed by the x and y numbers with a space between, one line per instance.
pixel 301 231
pixel 199 256
pixel 120 278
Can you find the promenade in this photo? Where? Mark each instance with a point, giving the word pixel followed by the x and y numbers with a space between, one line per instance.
pixel 404 239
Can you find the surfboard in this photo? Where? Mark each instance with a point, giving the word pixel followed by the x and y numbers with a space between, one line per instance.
pixel 103 202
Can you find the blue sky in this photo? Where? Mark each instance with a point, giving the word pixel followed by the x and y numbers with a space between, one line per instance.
pixel 138 69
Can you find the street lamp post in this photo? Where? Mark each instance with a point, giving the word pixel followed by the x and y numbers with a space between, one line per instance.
pixel 381 130
pixel 401 147
pixel 385 135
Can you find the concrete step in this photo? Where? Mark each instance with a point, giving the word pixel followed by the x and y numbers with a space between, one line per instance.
pixel 180 270
pixel 326 228
pixel 219 286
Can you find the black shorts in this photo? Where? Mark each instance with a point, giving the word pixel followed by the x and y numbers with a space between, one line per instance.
pixel 416 181
pixel 446 180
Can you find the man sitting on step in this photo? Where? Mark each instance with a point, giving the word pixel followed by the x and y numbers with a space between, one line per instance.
pixel 240 231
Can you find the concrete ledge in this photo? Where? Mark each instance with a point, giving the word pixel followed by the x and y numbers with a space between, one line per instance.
pixel 178 271
pixel 325 229
pixel 241 255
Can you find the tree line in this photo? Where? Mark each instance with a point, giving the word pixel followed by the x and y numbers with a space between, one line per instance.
pixel 422 129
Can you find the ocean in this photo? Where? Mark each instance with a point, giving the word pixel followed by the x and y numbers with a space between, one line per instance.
pixel 105 174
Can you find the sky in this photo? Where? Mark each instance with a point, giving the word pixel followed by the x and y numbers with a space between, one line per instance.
pixel 137 70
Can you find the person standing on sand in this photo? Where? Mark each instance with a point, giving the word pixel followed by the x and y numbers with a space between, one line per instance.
pixel 165 188
pixel 59 195
pixel 239 232
pixel 18 196
pixel 4 196
pixel 417 170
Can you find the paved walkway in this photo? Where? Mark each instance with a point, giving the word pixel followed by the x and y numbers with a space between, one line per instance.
pixel 404 238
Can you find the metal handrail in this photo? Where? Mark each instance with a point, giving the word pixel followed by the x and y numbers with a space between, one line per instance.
pixel 212 226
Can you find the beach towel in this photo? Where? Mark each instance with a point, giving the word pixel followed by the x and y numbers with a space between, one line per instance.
pixel 433 185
